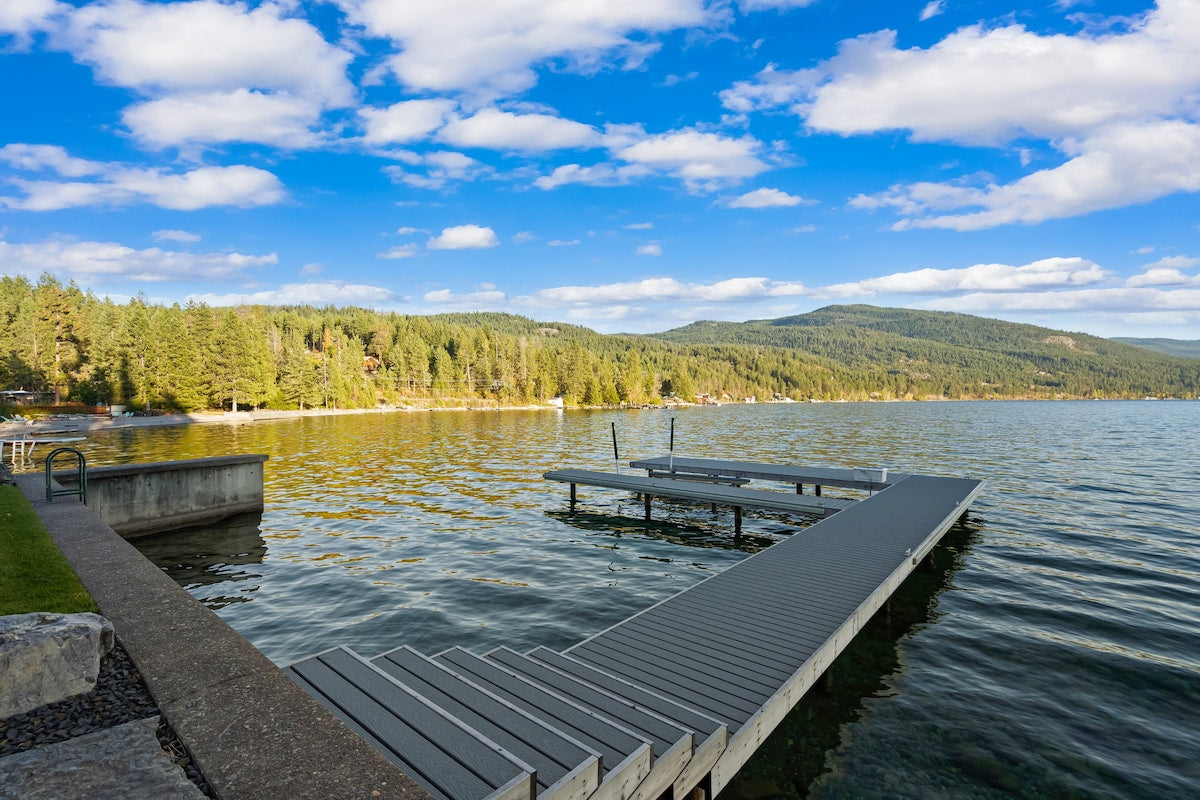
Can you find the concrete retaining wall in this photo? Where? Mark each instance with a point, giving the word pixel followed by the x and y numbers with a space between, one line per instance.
pixel 140 499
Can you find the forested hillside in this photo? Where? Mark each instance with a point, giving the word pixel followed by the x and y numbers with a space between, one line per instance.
pixel 68 342
pixel 1184 348
pixel 922 353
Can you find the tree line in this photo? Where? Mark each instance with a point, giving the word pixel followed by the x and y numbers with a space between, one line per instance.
pixel 66 342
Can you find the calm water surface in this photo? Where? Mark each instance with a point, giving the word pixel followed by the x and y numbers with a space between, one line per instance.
pixel 1052 650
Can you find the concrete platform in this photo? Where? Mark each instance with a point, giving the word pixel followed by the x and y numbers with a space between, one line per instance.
pixel 251 730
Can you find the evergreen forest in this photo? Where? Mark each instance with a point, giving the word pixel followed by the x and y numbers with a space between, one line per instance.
pixel 75 347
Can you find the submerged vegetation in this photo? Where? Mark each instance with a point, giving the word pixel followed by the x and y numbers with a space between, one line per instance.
pixel 77 347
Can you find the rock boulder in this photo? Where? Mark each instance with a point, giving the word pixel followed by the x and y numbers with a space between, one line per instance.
pixel 45 658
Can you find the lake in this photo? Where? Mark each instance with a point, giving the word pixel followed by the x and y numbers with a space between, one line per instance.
pixel 1050 650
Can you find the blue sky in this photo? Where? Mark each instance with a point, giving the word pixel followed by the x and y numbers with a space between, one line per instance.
pixel 628 165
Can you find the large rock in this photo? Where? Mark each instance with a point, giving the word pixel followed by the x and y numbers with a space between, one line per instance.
pixel 45 658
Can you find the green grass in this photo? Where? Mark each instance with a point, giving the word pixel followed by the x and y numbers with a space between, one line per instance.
pixel 34 575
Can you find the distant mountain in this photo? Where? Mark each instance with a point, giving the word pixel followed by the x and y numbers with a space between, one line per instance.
pixel 1184 348
pixel 930 353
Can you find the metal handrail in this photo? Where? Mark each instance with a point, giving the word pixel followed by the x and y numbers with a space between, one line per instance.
pixel 81 466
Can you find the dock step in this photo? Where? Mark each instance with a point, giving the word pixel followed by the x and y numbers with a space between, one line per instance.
pixel 670 743
pixel 626 757
pixel 710 735
pixel 566 769
pixel 447 757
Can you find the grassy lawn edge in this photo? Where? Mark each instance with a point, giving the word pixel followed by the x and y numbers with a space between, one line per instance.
pixel 34 575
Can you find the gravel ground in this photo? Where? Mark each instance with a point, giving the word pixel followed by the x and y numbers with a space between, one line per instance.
pixel 119 696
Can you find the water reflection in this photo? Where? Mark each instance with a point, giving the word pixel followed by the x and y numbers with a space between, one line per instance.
pixel 795 754
pixel 202 558
pixel 617 527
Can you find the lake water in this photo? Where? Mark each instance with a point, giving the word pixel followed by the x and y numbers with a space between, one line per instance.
pixel 1051 650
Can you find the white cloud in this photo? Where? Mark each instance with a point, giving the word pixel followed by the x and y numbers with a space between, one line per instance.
pixel 639 226
pixel 207 46
pixel 596 175
pixel 504 130
pixel 464 237
pixel 562 242
pixel 521 237
pixel 769 5
pixel 660 289
pixel 986 86
pixel 491 48
pixel 298 294
pixel 1045 273
pixel 281 119
pixel 1120 165
pixel 766 198
pixel 441 167
pixel 703 161
pixel 93 263
pixel 399 251
pixel 1167 272
pixel 931 10
pixel 311 269
pixel 118 184
pixel 408 230
pixel 21 18
pixel 1127 300
pixel 484 300
pixel 406 121
pixel 804 229
pixel 651 249
pixel 185 237
pixel 46 157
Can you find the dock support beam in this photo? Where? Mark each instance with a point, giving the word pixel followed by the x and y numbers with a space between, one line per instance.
pixel 737 519
pixel 572 496
pixel 647 498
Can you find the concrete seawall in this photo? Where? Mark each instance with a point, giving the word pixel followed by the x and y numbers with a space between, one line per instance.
pixel 254 733
pixel 141 499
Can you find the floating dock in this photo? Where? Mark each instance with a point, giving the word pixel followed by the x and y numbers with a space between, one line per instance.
pixel 670 701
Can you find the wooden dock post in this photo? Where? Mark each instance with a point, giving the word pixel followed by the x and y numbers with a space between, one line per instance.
pixel 647 498
pixel 737 519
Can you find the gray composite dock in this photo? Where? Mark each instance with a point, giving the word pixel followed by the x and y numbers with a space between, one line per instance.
pixel 673 699
pixel 737 497
pixel 869 478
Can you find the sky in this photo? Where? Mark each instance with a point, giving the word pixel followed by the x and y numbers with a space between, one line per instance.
pixel 626 165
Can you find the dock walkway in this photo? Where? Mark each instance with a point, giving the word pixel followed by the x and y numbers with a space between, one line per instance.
pixel 673 699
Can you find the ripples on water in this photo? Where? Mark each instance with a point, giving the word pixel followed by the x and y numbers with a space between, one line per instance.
pixel 1052 651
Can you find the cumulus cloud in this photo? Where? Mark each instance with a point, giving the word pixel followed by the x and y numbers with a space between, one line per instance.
pixel 595 175
pixel 406 121
pixel 97 263
pixel 703 161
pixel 1109 98
pixel 441 168
pixel 639 226
pixel 464 237
pixel 115 184
pixel 184 237
pixel 1120 165
pixel 399 251
pixel 766 198
pixel 1167 272
pixel 21 19
pixel 491 48
pixel 988 86
pixel 299 294
pixel 504 130
pixel 521 237
pixel 282 120
pixel 772 5
pixel 1122 300
pixel 650 249
pixel 657 289
pixel 1047 273
pixel 207 45
pixel 562 242
pixel 483 300
pixel 212 71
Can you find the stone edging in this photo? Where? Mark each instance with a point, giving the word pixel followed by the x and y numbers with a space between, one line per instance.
pixel 251 730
